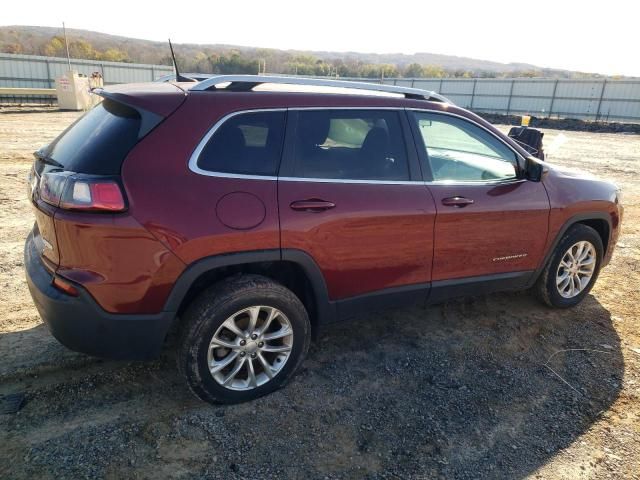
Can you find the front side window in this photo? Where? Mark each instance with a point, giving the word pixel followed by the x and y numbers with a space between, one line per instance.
pixel 247 144
pixel 350 145
pixel 458 150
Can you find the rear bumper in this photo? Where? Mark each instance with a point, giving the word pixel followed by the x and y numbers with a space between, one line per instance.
pixel 82 325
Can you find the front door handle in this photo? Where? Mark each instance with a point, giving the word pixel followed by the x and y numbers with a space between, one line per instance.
pixel 458 202
pixel 312 205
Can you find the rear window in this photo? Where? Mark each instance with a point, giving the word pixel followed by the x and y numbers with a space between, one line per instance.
pixel 246 144
pixel 99 141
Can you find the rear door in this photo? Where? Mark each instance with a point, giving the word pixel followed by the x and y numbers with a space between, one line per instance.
pixel 490 220
pixel 350 195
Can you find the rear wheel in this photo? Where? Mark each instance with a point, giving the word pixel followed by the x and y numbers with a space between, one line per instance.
pixel 242 338
pixel 572 269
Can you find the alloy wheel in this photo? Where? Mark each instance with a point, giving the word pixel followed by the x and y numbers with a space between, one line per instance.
pixel 250 348
pixel 576 269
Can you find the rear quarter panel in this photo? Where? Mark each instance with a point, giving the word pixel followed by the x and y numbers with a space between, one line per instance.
pixel 121 264
pixel 178 206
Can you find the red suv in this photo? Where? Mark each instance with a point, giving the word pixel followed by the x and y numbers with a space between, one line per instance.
pixel 248 211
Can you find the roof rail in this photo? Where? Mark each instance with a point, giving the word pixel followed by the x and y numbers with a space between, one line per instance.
pixel 245 83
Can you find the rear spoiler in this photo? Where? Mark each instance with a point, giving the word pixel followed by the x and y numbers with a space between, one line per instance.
pixel 149 120
pixel 153 101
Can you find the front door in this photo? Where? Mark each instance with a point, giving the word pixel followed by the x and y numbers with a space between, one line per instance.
pixel 489 220
pixel 350 196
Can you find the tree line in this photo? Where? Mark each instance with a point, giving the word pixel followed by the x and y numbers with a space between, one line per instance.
pixel 239 62
pixel 230 60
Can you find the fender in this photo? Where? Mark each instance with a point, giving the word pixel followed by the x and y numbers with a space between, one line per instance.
pixel 570 222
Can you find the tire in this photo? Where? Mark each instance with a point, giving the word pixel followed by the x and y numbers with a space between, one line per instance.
pixel 233 303
pixel 547 288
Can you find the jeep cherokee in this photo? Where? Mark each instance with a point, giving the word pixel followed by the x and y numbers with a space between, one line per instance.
pixel 245 212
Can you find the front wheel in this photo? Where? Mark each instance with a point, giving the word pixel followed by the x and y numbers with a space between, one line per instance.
pixel 573 268
pixel 242 338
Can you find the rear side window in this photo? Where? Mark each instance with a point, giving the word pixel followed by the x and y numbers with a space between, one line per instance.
pixel 99 141
pixel 247 144
pixel 350 145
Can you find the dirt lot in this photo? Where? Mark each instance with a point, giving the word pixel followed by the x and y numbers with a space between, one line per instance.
pixel 461 390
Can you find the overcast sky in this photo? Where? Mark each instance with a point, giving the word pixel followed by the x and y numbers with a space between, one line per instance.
pixel 586 35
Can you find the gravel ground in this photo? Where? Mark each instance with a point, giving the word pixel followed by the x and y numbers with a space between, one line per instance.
pixel 488 387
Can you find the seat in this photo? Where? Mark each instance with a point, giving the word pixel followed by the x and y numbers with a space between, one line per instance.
pixel 374 153
pixel 312 132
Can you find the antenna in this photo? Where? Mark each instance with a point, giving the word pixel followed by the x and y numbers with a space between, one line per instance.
pixel 179 78
pixel 66 43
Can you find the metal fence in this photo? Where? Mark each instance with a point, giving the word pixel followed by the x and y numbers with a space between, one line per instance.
pixel 30 71
pixel 602 99
pixel 606 100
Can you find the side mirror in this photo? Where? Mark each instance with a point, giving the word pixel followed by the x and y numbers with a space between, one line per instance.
pixel 533 169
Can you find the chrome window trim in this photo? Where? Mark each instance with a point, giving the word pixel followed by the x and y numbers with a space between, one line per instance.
pixel 340 180
pixel 236 175
pixel 193 160
pixel 469 183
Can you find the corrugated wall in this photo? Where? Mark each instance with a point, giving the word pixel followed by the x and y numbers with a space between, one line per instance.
pixel 612 100
pixel 29 71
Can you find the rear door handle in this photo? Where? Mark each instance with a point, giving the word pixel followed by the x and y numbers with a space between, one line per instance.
pixel 458 202
pixel 312 205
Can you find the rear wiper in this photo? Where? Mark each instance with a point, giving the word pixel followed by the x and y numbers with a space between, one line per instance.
pixel 48 160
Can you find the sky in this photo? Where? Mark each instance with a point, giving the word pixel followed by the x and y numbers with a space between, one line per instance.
pixel 601 37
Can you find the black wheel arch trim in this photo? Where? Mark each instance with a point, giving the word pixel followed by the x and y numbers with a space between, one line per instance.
pixel 193 271
pixel 578 218
pixel 325 308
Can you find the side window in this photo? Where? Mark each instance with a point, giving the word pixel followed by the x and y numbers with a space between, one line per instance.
pixel 458 150
pixel 249 144
pixel 350 145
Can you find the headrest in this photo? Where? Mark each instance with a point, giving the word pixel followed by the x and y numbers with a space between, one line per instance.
pixel 313 128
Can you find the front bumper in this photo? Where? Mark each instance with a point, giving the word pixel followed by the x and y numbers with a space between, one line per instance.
pixel 82 325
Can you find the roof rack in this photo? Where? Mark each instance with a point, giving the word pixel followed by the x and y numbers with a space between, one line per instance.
pixel 244 83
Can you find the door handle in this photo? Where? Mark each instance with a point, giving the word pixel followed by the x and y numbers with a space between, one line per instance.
pixel 312 205
pixel 457 202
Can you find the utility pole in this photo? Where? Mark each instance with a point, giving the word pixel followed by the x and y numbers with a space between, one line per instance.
pixel 66 43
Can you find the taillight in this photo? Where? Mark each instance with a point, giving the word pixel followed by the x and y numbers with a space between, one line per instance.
pixel 52 185
pixel 81 192
pixel 32 182
pixel 94 194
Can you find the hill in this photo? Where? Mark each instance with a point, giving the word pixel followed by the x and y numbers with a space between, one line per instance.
pixel 217 58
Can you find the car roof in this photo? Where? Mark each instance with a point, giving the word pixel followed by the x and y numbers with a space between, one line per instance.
pixel 157 97
pixel 195 76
